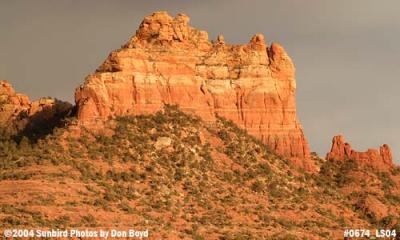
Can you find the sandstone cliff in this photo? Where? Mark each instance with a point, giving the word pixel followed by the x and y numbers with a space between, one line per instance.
pixel 18 113
pixel 379 159
pixel 170 62
pixel 12 107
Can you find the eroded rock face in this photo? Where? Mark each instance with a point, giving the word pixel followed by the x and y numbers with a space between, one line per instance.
pixel 169 62
pixel 18 113
pixel 13 109
pixel 380 159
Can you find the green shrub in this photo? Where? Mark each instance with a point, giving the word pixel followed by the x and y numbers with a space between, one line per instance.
pixel 258 186
pixel 124 206
pixel 88 221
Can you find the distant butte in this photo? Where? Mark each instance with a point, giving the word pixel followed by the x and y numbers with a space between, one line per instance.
pixel 379 159
pixel 18 113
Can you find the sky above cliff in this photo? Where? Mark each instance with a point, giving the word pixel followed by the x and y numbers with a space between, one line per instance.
pixel 346 53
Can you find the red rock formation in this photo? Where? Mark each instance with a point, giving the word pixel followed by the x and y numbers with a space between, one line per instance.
pixel 17 112
pixel 380 159
pixel 169 62
pixel 12 107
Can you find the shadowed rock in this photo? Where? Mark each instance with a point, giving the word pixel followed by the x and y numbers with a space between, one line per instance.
pixel 19 117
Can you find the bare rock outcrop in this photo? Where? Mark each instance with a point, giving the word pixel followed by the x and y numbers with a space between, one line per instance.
pixel 18 113
pixel 12 108
pixel 169 62
pixel 380 159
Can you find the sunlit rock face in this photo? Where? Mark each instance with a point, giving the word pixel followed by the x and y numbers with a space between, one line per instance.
pixel 169 62
pixel 380 159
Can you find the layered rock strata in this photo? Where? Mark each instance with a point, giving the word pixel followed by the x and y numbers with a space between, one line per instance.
pixel 169 62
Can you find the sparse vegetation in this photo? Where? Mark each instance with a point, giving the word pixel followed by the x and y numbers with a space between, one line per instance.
pixel 171 171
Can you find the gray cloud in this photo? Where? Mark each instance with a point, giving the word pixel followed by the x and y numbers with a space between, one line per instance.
pixel 346 52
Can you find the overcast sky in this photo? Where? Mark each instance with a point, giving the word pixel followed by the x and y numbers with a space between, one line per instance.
pixel 347 53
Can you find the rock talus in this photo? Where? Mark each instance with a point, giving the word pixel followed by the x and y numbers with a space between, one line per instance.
pixel 169 62
pixel 379 159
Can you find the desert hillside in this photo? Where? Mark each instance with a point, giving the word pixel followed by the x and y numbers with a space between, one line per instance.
pixel 188 138
pixel 179 177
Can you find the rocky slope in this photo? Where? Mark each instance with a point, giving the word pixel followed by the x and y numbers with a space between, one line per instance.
pixel 180 178
pixel 169 62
